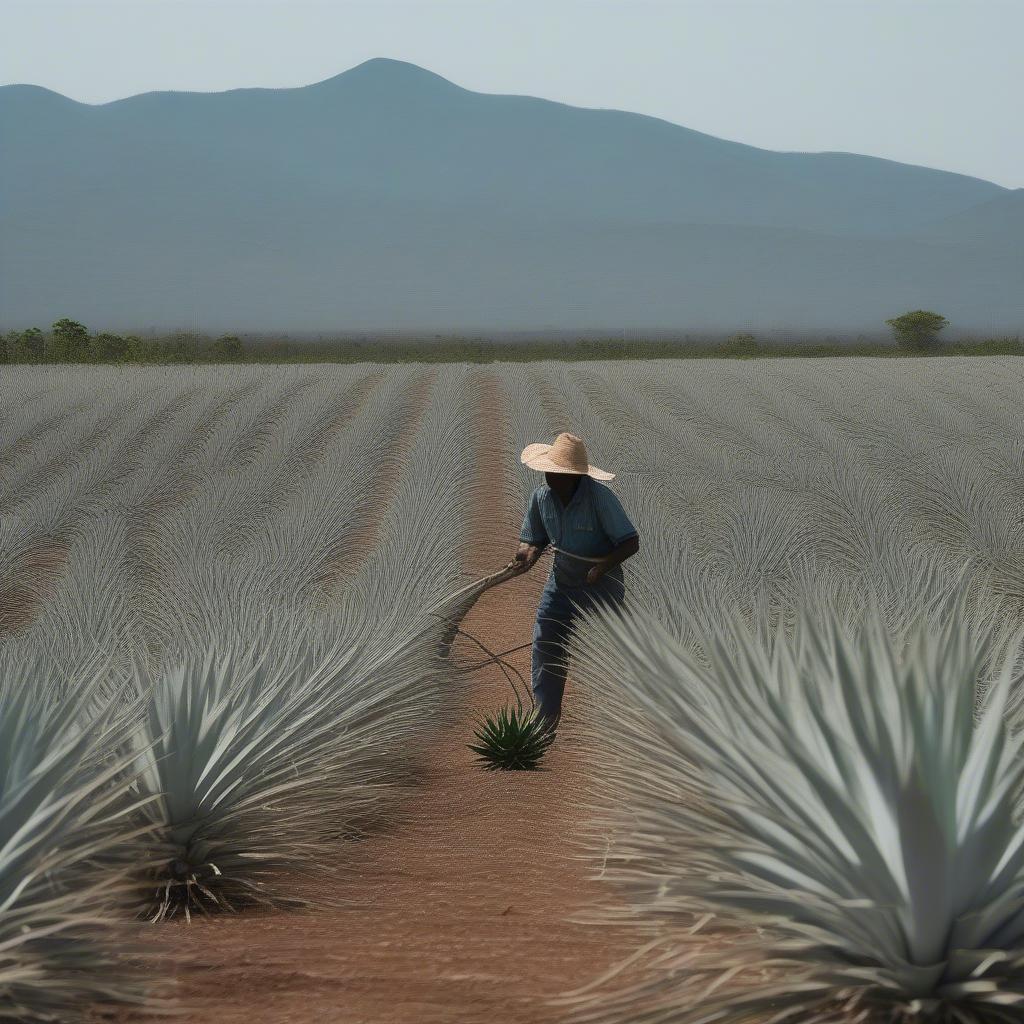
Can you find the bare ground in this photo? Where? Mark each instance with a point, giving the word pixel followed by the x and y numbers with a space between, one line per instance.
pixel 459 912
pixel 39 569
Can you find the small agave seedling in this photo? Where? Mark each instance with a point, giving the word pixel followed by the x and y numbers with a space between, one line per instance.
pixel 513 740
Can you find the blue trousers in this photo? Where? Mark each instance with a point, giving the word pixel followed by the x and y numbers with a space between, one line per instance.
pixel 559 606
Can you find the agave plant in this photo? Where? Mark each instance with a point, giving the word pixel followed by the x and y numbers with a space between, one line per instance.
pixel 257 759
pixel 219 756
pixel 65 829
pixel 836 808
pixel 512 740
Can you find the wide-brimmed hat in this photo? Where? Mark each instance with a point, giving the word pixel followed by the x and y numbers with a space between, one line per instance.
pixel 568 454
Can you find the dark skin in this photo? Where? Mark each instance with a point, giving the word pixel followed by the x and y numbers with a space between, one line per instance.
pixel 564 485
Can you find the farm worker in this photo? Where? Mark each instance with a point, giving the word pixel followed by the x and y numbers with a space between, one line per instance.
pixel 591 535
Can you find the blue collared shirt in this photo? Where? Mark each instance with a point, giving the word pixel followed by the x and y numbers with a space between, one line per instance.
pixel 591 525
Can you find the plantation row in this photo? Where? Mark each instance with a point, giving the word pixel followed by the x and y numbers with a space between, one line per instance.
pixel 226 593
pixel 807 782
pixel 812 481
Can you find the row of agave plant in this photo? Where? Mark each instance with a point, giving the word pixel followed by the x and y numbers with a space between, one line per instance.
pixel 212 785
pixel 204 709
pixel 819 822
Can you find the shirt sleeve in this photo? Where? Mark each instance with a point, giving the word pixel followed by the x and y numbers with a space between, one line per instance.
pixel 533 531
pixel 612 516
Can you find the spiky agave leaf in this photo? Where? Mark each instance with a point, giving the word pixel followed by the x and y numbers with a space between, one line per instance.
pixel 221 756
pixel 65 813
pixel 512 740
pixel 834 801
pixel 259 760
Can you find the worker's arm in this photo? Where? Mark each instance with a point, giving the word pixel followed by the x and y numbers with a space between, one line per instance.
pixel 626 549
pixel 533 538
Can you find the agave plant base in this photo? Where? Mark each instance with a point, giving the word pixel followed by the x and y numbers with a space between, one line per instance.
pixel 185 889
pixel 182 889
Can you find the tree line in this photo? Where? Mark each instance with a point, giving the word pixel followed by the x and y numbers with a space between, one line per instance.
pixel 69 341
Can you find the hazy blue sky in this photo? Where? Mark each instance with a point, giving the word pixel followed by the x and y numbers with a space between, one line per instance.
pixel 923 81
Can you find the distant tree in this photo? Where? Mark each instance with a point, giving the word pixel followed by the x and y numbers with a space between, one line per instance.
pixel 227 347
pixel 108 347
pixel 70 340
pixel 137 350
pixel 6 344
pixel 28 346
pixel 741 345
pixel 917 330
pixel 180 347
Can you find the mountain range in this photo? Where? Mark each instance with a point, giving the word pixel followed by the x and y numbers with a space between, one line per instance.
pixel 390 198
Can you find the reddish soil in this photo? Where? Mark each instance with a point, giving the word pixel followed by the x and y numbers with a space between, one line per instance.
pixel 40 568
pixel 459 913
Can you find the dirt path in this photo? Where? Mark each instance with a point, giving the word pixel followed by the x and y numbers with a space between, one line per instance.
pixel 459 911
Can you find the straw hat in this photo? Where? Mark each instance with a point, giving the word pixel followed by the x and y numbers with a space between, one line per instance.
pixel 568 454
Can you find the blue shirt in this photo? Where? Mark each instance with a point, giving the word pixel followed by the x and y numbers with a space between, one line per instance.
pixel 591 525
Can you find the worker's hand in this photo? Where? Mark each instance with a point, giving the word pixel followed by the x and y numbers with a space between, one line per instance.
pixel 526 555
pixel 596 572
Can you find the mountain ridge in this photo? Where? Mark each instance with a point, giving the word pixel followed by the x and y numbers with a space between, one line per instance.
pixel 390 157
pixel 386 68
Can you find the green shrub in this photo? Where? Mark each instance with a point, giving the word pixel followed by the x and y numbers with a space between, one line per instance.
pixel 179 347
pixel 27 347
pixel 107 347
pixel 70 340
pixel 740 345
pixel 138 350
pixel 227 348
